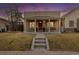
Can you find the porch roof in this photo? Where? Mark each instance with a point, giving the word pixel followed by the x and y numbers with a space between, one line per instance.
pixel 42 18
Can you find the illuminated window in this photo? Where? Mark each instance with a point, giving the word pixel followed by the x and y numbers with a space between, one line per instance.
pixel 51 24
pixel 32 24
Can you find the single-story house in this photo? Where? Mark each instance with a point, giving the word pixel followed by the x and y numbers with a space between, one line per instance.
pixel 5 25
pixel 71 22
pixel 43 21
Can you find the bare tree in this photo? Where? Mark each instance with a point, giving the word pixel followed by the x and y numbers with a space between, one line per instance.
pixel 13 16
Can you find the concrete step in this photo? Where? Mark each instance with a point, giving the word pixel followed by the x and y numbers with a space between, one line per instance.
pixel 44 47
pixel 38 44
pixel 43 41
pixel 40 38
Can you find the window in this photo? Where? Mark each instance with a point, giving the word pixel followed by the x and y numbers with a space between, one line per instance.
pixel 51 24
pixel 32 24
pixel 71 23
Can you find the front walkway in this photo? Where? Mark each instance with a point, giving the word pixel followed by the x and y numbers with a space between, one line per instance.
pixel 38 53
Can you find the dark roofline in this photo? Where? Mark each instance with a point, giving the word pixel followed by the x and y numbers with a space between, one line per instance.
pixel 70 11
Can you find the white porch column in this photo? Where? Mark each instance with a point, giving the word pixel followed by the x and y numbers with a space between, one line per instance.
pixel 24 25
pixel 59 25
pixel 35 26
pixel 49 25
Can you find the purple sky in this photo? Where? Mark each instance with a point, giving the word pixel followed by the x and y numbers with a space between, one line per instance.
pixel 40 6
pixel 46 7
pixel 25 7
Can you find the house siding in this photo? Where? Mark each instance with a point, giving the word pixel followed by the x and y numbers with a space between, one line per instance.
pixel 71 17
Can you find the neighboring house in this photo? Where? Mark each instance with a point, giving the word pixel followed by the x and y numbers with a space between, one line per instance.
pixel 3 25
pixel 72 21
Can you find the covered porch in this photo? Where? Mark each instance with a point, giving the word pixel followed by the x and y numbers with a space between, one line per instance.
pixel 35 25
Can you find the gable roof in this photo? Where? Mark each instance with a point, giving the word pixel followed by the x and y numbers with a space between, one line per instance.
pixel 70 12
pixel 42 14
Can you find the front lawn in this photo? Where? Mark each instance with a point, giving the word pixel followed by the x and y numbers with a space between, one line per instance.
pixel 64 42
pixel 15 41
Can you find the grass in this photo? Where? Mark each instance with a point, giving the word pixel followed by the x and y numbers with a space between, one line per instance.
pixel 15 41
pixel 64 42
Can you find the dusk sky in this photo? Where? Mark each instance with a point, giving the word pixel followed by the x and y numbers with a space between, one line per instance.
pixel 46 7
pixel 63 7
pixel 41 6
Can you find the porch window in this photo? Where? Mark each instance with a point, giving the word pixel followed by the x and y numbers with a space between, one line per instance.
pixel 71 23
pixel 32 24
pixel 51 24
